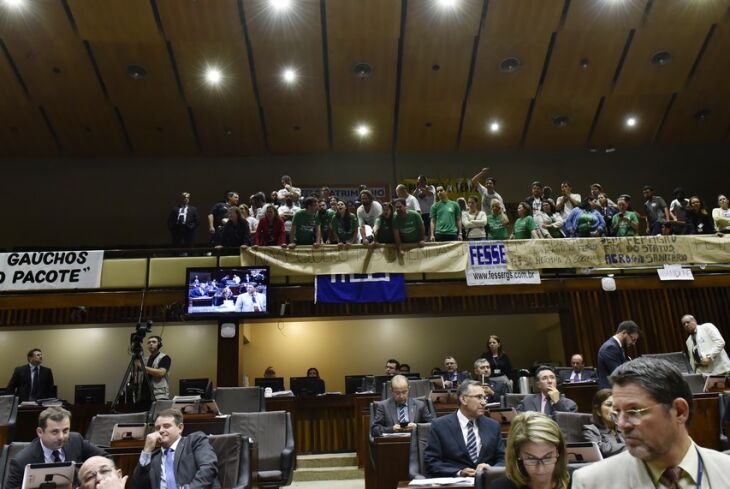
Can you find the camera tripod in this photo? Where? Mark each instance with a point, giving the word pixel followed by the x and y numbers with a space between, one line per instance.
pixel 131 389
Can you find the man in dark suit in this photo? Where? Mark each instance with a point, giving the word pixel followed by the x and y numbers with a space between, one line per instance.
pixel 32 381
pixel 549 400
pixel 463 442
pixel 182 222
pixel 174 460
pixel 399 409
pixel 494 390
pixel 613 352
pixel 578 373
pixel 452 376
pixel 55 443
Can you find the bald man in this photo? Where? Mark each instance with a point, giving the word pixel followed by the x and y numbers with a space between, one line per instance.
pixel 399 412
pixel 100 473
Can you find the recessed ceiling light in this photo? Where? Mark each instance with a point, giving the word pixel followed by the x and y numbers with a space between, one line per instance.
pixel 213 75
pixel 289 75
pixel 136 72
pixel 510 65
pixel 362 70
pixel 702 114
pixel 561 121
pixel 446 4
pixel 631 121
pixel 584 63
pixel 363 130
pixel 14 4
pixel 661 58
pixel 280 5
pixel 494 127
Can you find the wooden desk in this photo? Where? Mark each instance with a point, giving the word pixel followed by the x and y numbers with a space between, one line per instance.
pixel 444 401
pixel 582 393
pixel 706 424
pixel 390 455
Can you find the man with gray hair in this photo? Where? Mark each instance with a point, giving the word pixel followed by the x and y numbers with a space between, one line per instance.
pixel 411 201
pixel 706 347
pixel 399 412
pixel 652 406
pixel 493 390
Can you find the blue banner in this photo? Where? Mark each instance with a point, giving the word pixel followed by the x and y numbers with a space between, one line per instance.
pixel 372 287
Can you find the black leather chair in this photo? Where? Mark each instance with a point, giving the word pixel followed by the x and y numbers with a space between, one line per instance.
pixel 417 389
pixel 101 426
pixel 513 400
pixel 240 399
pixel 274 438
pixel 571 424
pixel 9 415
pixel 484 478
pixel 234 460
pixel 157 407
pixel 419 440
pixel 9 452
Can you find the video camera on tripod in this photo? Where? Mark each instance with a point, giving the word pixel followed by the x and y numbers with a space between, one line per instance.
pixel 136 338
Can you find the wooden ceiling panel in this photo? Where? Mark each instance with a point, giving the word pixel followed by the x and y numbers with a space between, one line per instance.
pixel 511 115
pixel 130 21
pixel 544 132
pixel 86 129
pixel 713 71
pixel 600 15
pixel 163 131
pixel 230 58
pixel 23 132
pixel 229 132
pixel 525 19
pixel 345 118
pixel 682 14
pixel 639 75
pixel 648 110
pixel 200 21
pixel 429 127
pixel 296 130
pixel 685 123
pixel 12 93
pixel 566 75
pixel 355 19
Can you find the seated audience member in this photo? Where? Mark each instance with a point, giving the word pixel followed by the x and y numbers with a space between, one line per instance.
pixel 452 376
pixel 604 431
pixel 653 406
pixel 392 366
pixel 270 230
pixel 549 400
pixel 656 209
pixel 465 441
pixel 324 218
pixel 536 455
pixel 252 221
pixel 474 220
pixel 498 360
pixel 493 390
pixel 534 200
pixel 343 227
pixel 399 412
pixel 585 221
pixel 305 229
pixel 383 230
pixel 251 300
pixel 426 195
pixel 549 222
pixel 524 227
pixel 313 372
pixel 367 214
pixel 401 191
pixel 624 222
pixel 289 191
pixel 408 227
pixel 487 192
pixel 404 368
pixel 497 222
pixel 606 211
pixel 699 221
pixel 32 381
pixel 269 373
pixel 55 442
pixel 171 460
pixel 101 473
pixel 678 209
pixel 578 373
pixel 721 214
pixel 445 218
pixel 235 232
pixel 567 200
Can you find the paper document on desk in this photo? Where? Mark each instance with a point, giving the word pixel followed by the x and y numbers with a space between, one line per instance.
pixel 395 435
pixel 441 481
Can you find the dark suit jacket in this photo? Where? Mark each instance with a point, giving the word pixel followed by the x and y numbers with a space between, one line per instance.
pixel 585 374
pixel 386 415
pixel 192 220
pixel 446 452
pixel 75 449
pixel 610 356
pixel 196 465
pixel 533 402
pixel 460 376
pixel 20 382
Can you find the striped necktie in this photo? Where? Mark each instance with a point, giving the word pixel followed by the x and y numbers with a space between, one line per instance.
pixel 471 442
pixel 402 414
pixel 670 477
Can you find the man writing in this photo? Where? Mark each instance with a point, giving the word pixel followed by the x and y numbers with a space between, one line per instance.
pixel 463 442
pixel 549 400
pixel 399 412
pixel 251 300
pixel 32 381
pixel 613 351
pixel 652 406
pixel 170 460
pixel 55 443
pixel 706 347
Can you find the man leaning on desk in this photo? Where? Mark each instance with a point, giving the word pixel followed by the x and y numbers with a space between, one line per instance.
pixel 399 413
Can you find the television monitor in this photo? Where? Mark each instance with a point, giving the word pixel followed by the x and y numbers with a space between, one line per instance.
pixel 227 292
pixel 583 452
pixel 412 376
pixel 276 383
pixel 90 394
pixel 59 475
pixel 353 383
pixel 196 387
pixel 129 431
pixel 306 386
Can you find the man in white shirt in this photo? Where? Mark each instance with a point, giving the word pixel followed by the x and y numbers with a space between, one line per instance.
pixel 289 190
pixel 367 213
pixel 487 192
pixel 426 195
pixel 251 300
pixel 411 202
pixel 568 201
pixel 706 347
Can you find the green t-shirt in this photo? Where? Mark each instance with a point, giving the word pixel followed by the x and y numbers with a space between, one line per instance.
pixel 385 230
pixel 583 226
pixel 306 224
pixel 523 227
pixel 623 227
pixel 409 226
pixel 324 219
pixel 338 227
pixel 496 230
pixel 446 214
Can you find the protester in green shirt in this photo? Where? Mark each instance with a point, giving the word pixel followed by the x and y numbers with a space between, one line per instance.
pixel 525 227
pixel 497 222
pixel 407 226
pixel 383 230
pixel 445 218
pixel 625 222
pixel 305 229
pixel 343 228
pixel 324 217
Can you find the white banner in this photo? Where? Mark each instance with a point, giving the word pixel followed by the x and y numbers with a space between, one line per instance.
pixel 380 191
pixel 44 270
pixel 675 272
pixel 487 265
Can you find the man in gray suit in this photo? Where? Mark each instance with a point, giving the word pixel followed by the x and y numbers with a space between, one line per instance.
pixel 653 406
pixel 172 460
pixel 399 412
pixel 549 400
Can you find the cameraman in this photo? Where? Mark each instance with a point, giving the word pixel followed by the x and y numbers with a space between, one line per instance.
pixel 157 367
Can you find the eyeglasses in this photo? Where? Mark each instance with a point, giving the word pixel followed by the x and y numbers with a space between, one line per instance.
pixel 478 397
pixel 546 461
pixel 104 470
pixel 632 416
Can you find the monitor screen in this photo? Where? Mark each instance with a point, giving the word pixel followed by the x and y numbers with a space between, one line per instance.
pixel 195 387
pixel 227 292
pixel 306 386
pixel 276 383
pixel 90 394
pixel 354 383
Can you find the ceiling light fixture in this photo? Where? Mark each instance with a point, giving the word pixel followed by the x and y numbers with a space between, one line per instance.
pixel 363 130
pixel 661 58
pixel 213 76
pixel 14 4
pixel 136 72
pixel 631 121
pixel 702 114
pixel 510 65
pixel 448 4
pixel 494 127
pixel 289 75
pixel 561 121
pixel 280 5
pixel 362 70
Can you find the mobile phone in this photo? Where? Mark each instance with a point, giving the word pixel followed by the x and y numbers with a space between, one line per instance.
pixel 404 425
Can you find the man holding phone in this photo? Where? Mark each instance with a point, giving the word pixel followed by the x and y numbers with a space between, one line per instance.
pixel 399 413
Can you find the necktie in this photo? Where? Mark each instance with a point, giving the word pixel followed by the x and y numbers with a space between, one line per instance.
pixel 34 384
pixel 576 377
pixel 402 414
pixel 670 477
pixel 56 456
pixel 170 469
pixel 543 405
pixel 471 442
pixel 695 353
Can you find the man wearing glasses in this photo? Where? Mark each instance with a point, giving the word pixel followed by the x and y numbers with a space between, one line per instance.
pixel 652 408
pixel 549 400
pixel 463 442
pixel 100 473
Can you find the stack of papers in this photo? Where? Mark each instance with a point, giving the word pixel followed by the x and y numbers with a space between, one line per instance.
pixel 441 481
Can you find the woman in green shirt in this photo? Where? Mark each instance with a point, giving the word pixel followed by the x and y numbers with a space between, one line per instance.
pixel 497 222
pixel 525 227
pixel 343 227
pixel 383 229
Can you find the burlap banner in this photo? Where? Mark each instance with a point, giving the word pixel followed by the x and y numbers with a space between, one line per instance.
pixel 327 259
